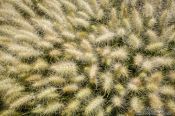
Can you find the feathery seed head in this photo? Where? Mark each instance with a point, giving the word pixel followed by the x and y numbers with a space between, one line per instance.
pixel 21 101
pixel 167 90
pixel 138 60
pixel 56 80
pixel 136 105
pixel 83 93
pixel 148 10
pixel 119 54
pixel 52 108
pixel 107 82
pixel 117 101
pixel 78 79
pixel 155 46
pixel 134 84
pixel 120 89
pixel 137 22
pixel 72 107
pixel 40 64
pixel 171 105
pixel 155 101
pixel 65 68
pixel 108 36
pixel 68 5
pixel 120 70
pixel 94 105
pixel 134 41
pixel 70 88
pixel 48 93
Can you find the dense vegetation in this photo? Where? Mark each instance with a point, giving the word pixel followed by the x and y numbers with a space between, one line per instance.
pixel 87 57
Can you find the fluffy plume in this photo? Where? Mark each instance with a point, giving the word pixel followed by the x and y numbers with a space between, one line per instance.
pixel 87 57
